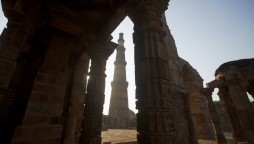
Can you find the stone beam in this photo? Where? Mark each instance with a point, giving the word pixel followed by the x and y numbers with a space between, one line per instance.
pixel 215 84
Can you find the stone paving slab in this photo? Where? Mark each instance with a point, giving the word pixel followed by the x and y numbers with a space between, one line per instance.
pixel 120 136
pixel 117 136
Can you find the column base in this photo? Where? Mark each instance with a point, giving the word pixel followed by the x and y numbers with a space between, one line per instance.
pixel 41 134
pixel 143 139
pixel 239 137
pixel 90 140
pixel 220 139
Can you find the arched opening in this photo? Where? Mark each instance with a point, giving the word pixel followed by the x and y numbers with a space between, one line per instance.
pixel 113 120
pixel 126 27
pixel 223 115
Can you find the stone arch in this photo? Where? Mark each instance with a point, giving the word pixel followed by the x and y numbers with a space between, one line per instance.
pixel 234 80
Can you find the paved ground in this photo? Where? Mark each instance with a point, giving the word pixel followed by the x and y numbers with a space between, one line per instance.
pixel 116 136
pixel 119 136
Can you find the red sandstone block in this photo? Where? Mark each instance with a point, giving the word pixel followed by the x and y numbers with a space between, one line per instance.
pixel 22 133
pixel 9 52
pixel 36 119
pixel 41 78
pixel 39 97
pixel 47 132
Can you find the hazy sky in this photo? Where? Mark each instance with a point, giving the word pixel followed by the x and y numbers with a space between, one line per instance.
pixel 207 34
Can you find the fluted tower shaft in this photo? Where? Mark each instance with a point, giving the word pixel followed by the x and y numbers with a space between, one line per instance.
pixel 119 95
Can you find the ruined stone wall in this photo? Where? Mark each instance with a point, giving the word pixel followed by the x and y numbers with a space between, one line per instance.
pixel 234 79
pixel 180 78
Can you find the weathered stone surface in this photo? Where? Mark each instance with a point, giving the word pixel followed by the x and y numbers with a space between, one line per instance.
pixel 188 96
pixel 220 138
pixel 94 99
pixel 75 102
pixel 234 80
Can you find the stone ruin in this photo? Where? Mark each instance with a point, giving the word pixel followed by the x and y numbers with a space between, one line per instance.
pixel 45 96
pixel 234 79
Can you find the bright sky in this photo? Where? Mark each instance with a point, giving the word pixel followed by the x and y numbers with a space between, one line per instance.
pixel 207 34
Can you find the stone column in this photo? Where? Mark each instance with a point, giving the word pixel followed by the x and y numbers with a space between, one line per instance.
pixel 243 107
pixel 13 59
pixel 94 98
pixel 153 92
pixel 226 101
pixel 220 138
pixel 192 133
pixel 41 120
pixel 74 115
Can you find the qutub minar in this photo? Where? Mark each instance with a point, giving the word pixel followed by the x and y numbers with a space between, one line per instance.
pixel 119 111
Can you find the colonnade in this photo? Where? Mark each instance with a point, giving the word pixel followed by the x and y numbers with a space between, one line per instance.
pixel 47 105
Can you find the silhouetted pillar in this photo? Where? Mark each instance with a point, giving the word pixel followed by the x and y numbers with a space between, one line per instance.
pixel 220 138
pixel 192 133
pixel 74 115
pixel 15 62
pixel 243 107
pixel 94 98
pixel 153 92
pixel 226 101
pixel 13 43
pixel 41 121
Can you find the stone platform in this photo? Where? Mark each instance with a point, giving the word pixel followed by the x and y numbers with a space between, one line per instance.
pixel 120 136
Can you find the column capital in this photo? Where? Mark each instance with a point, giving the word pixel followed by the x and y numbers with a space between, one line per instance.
pixel 223 90
pixel 147 15
pixel 159 5
pixel 102 50
pixel 207 92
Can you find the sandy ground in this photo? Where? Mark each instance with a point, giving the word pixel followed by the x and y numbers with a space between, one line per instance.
pixel 126 136
pixel 119 136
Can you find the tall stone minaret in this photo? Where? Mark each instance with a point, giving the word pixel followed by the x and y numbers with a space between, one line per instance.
pixel 118 108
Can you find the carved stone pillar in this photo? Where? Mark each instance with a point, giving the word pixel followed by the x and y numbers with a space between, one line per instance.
pixel 243 107
pixel 13 59
pixel 94 98
pixel 41 120
pixel 220 138
pixel 153 92
pixel 193 137
pixel 74 115
pixel 226 101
